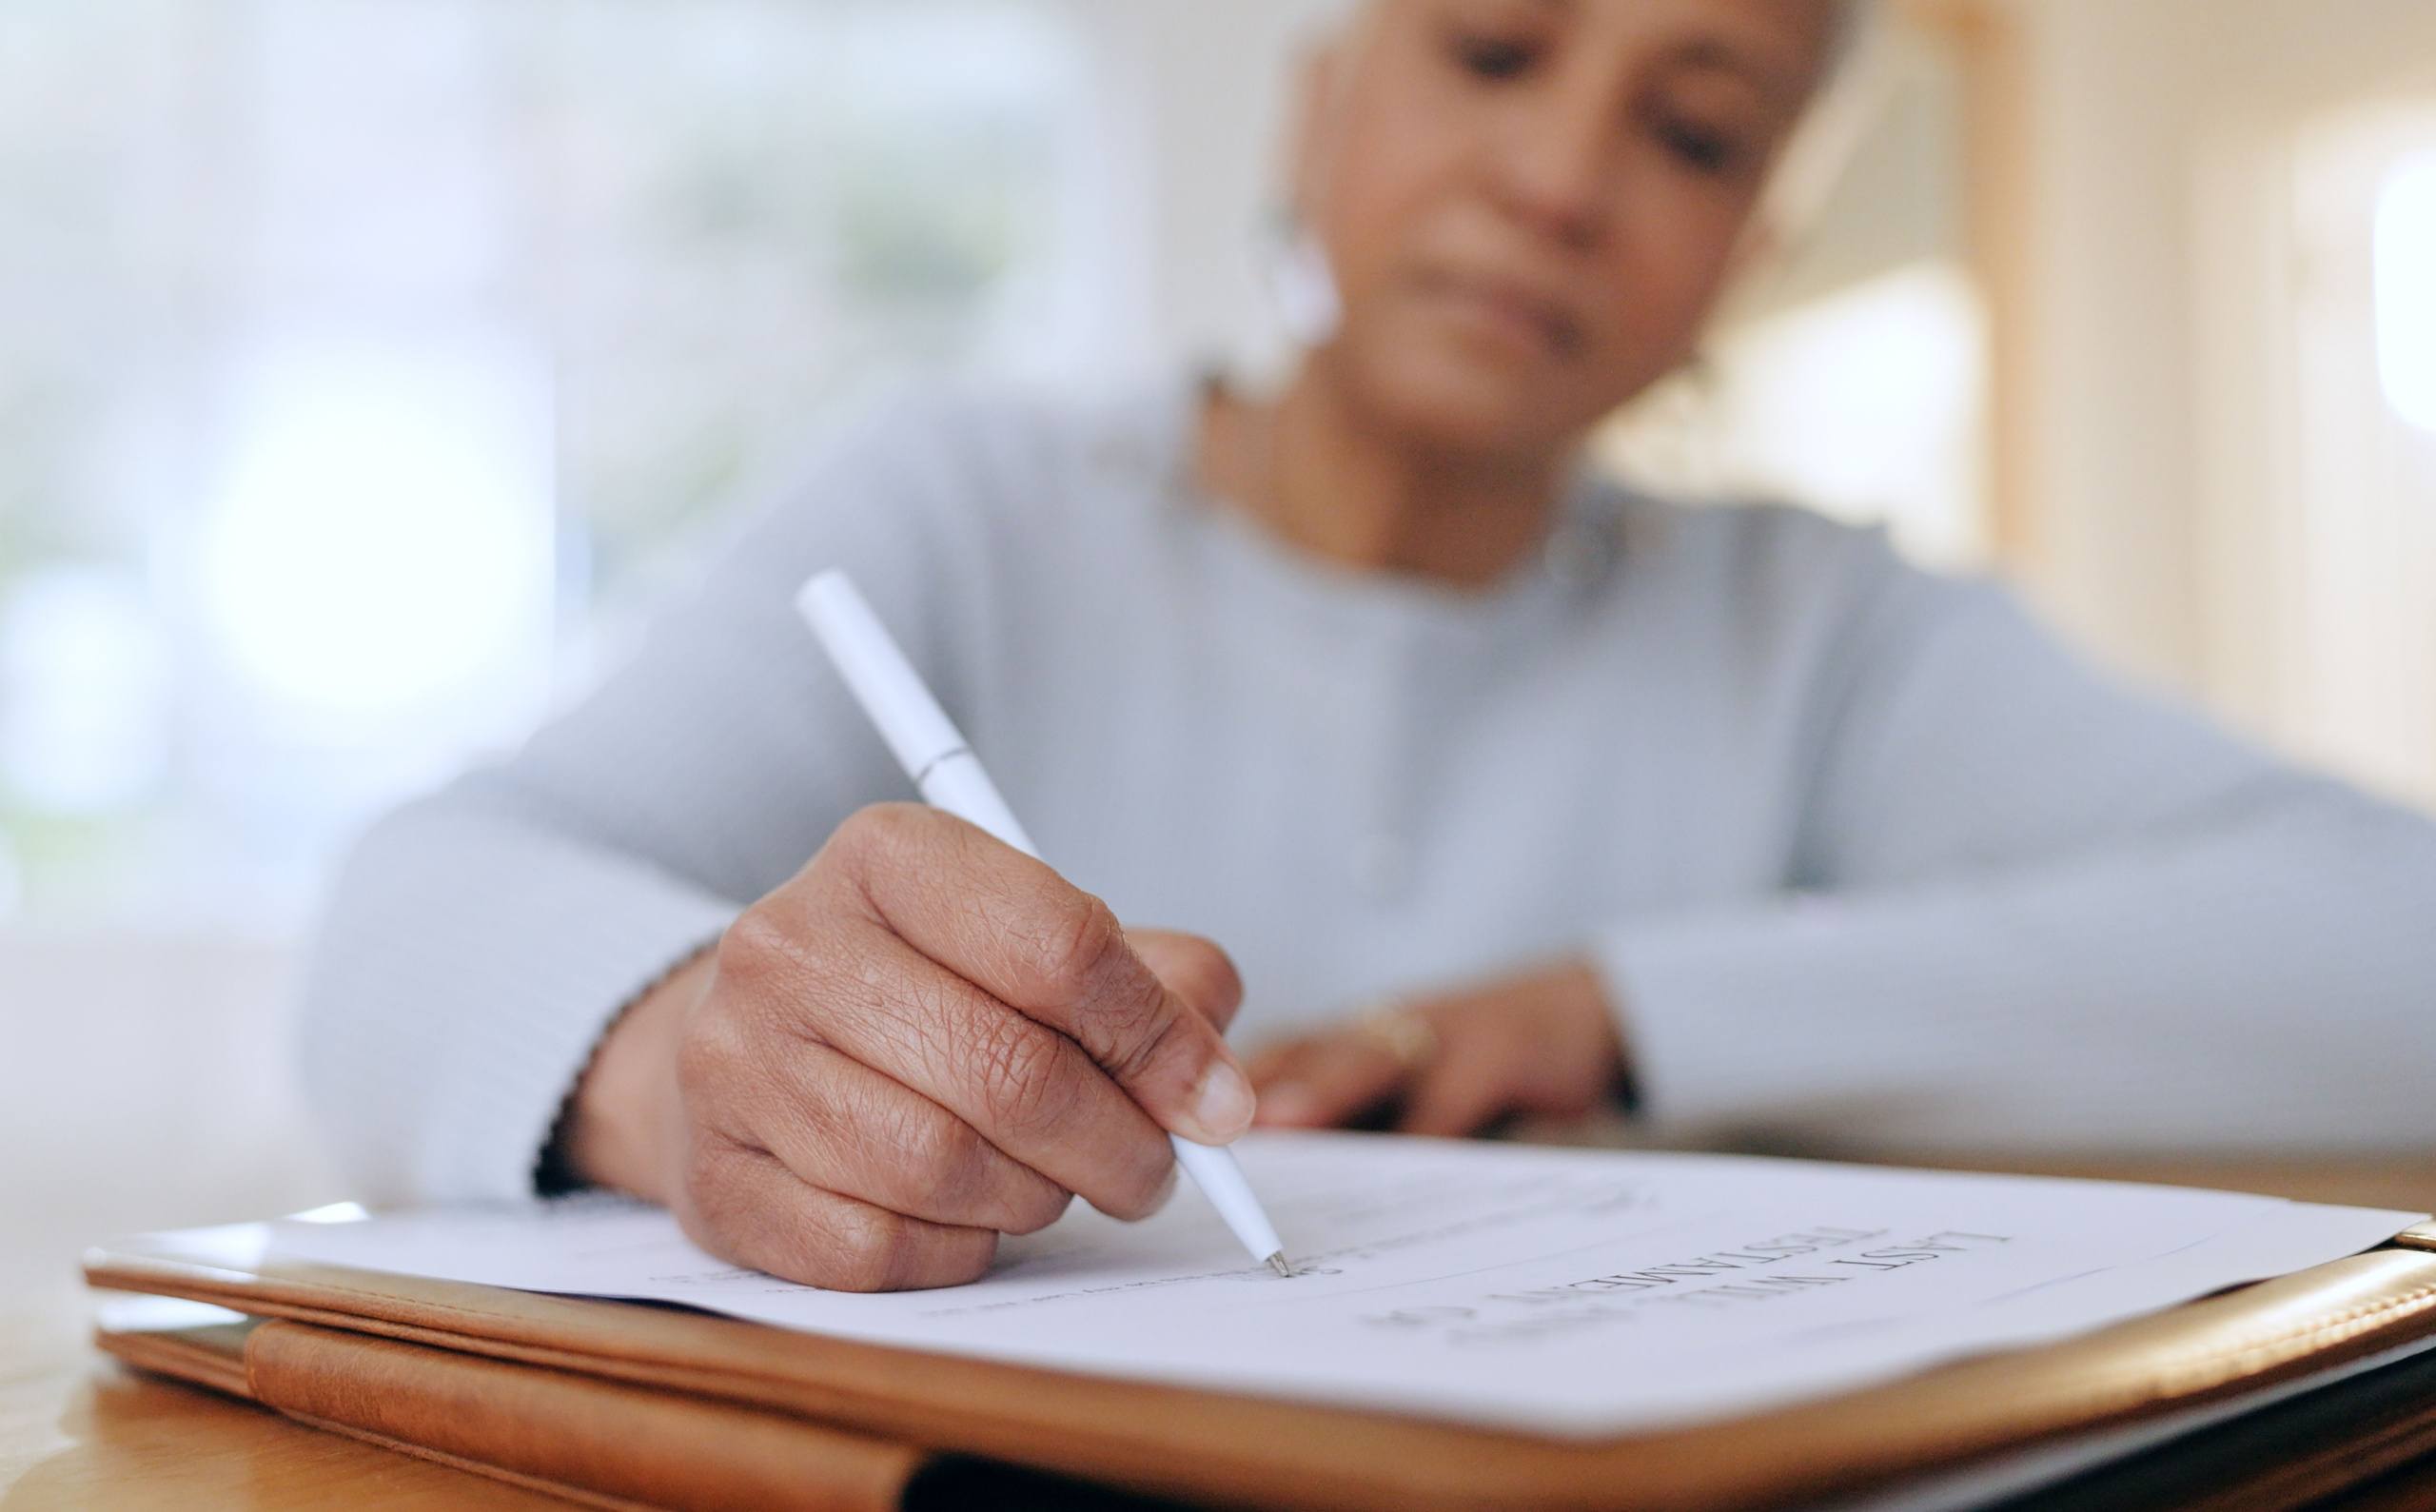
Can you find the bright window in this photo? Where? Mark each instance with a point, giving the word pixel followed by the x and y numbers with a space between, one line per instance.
pixel 359 360
pixel 2405 283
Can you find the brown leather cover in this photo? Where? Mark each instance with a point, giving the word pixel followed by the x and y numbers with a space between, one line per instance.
pixel 575 1436
pixel 1217 1448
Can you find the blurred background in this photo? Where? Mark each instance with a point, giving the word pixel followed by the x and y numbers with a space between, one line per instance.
pixel 367 368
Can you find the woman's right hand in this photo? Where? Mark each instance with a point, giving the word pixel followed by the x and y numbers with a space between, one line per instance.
pixel 922 1040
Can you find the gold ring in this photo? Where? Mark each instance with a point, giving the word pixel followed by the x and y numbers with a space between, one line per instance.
pixel 1402 1032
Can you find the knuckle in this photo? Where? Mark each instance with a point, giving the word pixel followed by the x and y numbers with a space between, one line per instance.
pixel 707 1056
pixel 967 1178
pixel 867 1249
pixel 1026 1085
pixel 824 1124
pixel 758 945
pixel 1036 1208
pixel 777 970
pixel 956 1161
pixel 1140 1035
pixel 1075 949
pixel 908 1134
pixel 878 834
pixel 859 829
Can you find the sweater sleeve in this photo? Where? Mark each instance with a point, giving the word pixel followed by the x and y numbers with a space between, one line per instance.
pixel 477 942
pixel 2041 909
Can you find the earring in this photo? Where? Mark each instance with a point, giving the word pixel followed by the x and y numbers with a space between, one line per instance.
pixel 1300 280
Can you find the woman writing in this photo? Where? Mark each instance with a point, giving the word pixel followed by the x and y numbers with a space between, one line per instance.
pixel 1723 813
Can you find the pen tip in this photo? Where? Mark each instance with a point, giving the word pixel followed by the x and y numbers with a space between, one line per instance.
pixel 1277 1262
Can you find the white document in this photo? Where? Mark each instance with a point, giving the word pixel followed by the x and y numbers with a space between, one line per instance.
pixel 1562 1292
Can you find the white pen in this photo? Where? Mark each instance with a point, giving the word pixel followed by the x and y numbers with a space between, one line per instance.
pixel 949 776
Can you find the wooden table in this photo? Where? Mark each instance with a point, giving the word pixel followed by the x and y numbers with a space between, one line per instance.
pixel 78 1432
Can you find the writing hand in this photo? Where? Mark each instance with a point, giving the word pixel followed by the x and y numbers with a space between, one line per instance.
pixel 921 1041
pixel 1542 1043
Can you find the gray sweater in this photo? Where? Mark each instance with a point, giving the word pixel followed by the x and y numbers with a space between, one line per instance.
pixel 1862 854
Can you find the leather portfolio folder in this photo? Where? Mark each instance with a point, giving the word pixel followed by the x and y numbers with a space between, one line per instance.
pixel 627 1404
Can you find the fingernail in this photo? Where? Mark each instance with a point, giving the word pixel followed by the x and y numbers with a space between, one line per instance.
pixel 1223 1105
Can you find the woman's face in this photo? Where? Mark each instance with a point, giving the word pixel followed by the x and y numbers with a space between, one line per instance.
pixel 1530 205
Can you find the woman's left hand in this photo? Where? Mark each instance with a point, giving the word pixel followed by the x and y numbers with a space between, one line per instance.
pixel 1544 1043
